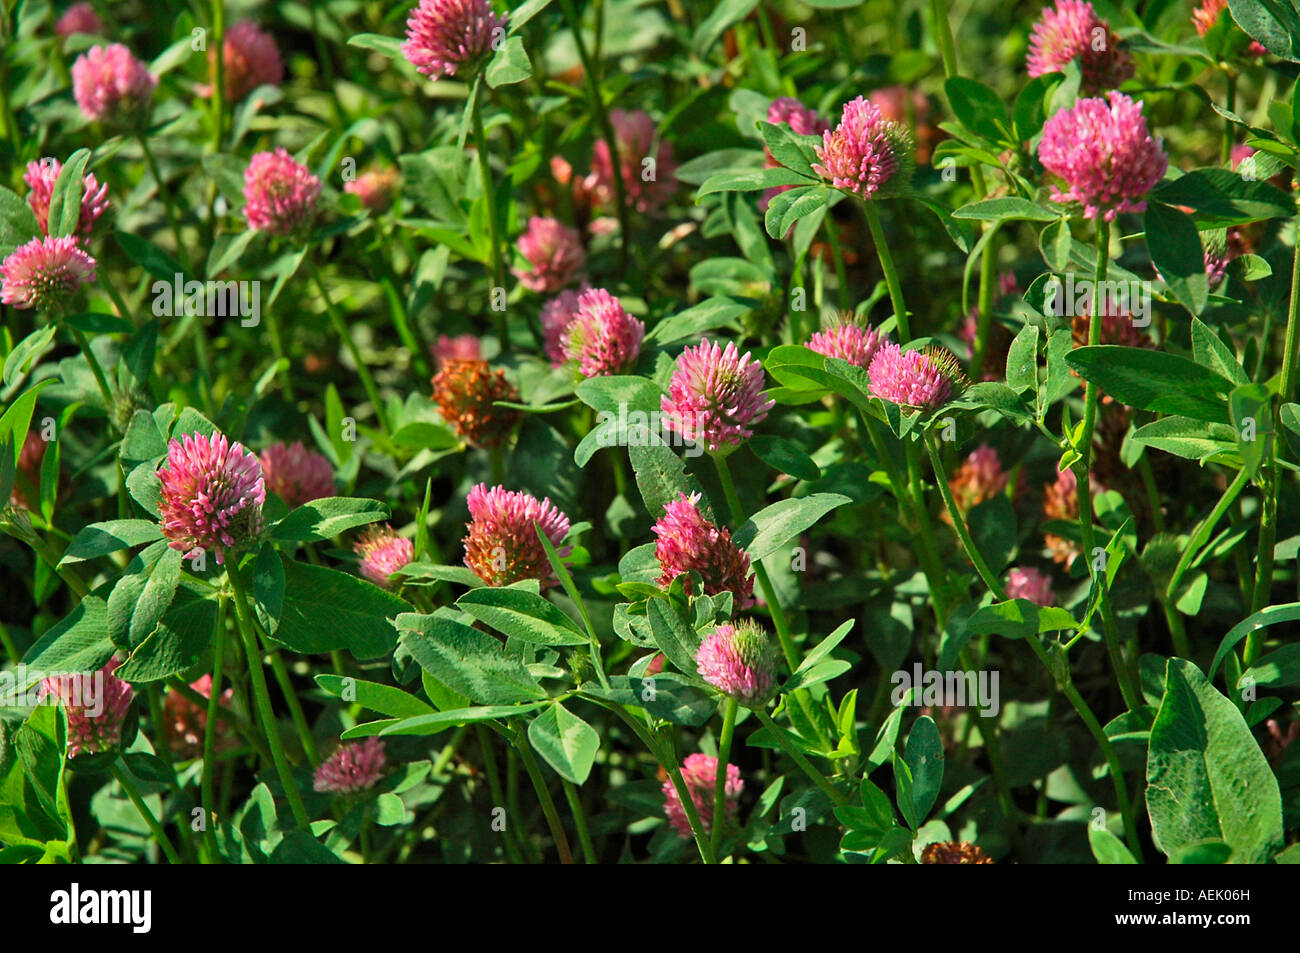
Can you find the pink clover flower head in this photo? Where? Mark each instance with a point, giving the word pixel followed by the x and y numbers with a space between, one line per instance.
pixel 700 773
pixel 924 380
pixel 1072 30
pixel 45 273
pixel 1103 152
pixel 111 85
pixel 739 661
pixel 715 396
pixel 382 553
pixel 1026 582
pixel 554 253
pixel 41 177
pixel 866 154
pixel 849 340
pixel 250 59
pixel 78 18
pixel 297 475
pixel 280 193
pixel 688 542
pixel 95 704
pixel 212 495
pixel 601 337
pixel 502 546
pixel 647 167
pixel 448 37
pixel 352 768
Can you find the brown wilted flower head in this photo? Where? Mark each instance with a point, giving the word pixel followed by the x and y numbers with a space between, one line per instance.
pixel 466 391
pixel 952 852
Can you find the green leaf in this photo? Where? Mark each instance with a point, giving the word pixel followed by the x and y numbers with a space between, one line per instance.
pixel 792 151
pixel 1274 23
pixel 26 351
pixel 675 638
pixel 666 695
pixel 903 790
pixel 100 539
pixel 610 394
pixel 1277 669
pixel 178 640
pixel 78 642
pixel 708 315
pixel 326 610
pixel 1209 351
pixel 978 107
pixel 510 64
pixel 268 587
pixel 1176 250
pixel 750 180
pixel 523 615
pixel 660 474
pixel 150 257
pixel 467 661
pixel 923 752
pixel 1288 612
pixel 1007 210
pixel 1220 198
pixel 784 456
pixel 1252 422
pixel 1107 848
pixel 1207 778
pixel 432 723
pixel 1154 380
pixel 771 527
pixel 566 742
pixel 18 223
pixel 1022 360
pixel 156 596
pixel 384 699
pixel 65 199
pixel 1013 619
pixel 723 16
pixel 327 518
pixel 389 46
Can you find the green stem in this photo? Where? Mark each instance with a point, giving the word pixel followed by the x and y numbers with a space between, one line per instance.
pixel 219 74
pixel 206 786
pixel 309 748
pixel 1268 512
pixel 1083 473
pixel 489 196
pixel 341 330
pixel 155 828
pixel 543 796
pixel 498 794
pixel 1203 531
pixel 100 380
pixel 163 194
pixel 720 782
pixel 668 759
pixel 788 746
pixel 984 320
pixel 774 606
pixel 837 254
pixel 580 822
pixel 891 273
pixel 592 78
pixel 932 565
pixel 943 33
pixel 263 698
pixel 959 523
pixel 1103 742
